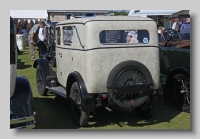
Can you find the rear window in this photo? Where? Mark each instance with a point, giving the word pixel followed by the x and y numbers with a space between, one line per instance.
pixel 124 36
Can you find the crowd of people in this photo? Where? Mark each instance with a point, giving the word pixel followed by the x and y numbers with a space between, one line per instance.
pixel 177 22
pixel 34 33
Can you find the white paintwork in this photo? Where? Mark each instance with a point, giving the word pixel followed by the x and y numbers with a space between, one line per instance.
pixel 96 65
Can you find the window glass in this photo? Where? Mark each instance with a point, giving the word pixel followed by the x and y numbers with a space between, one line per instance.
pixel 67 35
pixel 124 36
pixel 58 35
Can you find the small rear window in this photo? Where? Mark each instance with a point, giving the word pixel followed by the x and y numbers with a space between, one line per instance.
pixel 67 35
pixel 124 36
pixel 58 34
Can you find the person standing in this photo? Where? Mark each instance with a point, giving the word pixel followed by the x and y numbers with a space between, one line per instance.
pixel 187 20
pixel 175 26
pixel 41 42
pixel 33 38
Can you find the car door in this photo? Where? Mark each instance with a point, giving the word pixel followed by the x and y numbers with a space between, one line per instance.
pixel 171 57
pixel 64 53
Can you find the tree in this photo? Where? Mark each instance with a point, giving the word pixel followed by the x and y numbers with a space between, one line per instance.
pixel 119 12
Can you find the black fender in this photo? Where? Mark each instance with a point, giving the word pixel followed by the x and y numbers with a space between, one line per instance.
pixel 21 103
pixel 183 69
pixel 45 68
pixel 87 99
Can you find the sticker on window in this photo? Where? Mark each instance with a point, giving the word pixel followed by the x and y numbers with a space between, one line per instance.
pixel 145 40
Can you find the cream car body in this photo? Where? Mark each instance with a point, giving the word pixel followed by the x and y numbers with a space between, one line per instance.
pixel 95 61
pixel 103 61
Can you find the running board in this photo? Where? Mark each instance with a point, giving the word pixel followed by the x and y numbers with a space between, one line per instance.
pixel 58 90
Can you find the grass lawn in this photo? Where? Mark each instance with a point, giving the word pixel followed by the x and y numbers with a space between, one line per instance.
pixel 52 113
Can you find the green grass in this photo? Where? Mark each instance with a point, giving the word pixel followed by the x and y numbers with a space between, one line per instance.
pixel 52 113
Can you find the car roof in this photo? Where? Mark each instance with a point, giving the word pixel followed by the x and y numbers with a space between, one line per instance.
pixel 104 18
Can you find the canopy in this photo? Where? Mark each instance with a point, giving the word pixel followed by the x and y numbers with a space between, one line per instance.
pixel 29 14
pixel 152 12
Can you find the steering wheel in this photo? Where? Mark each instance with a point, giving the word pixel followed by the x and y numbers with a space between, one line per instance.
pixel 171 37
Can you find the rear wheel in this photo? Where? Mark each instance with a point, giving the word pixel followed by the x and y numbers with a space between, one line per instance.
pixel 80 117
pixel 181 91
pixel 40 81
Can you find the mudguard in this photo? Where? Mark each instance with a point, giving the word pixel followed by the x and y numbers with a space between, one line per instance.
pixel 184 69
pixel 88 99
pixel 21 105
pixel 45 69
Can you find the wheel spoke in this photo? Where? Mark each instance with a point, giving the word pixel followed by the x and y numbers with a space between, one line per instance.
pixel 128 77
pixel 182 89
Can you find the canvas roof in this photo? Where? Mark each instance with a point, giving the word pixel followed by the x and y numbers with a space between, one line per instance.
pixel 152 12
pixel 29 14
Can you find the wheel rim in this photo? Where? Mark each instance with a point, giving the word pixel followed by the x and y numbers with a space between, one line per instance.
pixel 40 81
pixel 183 89
pixel 130 76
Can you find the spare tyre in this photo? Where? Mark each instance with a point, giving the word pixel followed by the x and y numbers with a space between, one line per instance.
pixel 135 82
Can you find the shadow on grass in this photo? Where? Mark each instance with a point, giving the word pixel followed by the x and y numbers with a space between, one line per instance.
pixel 164 112
pixel 53 114
pixel 21 65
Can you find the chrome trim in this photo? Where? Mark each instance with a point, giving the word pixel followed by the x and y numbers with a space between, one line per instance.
pixel 25 127
pixel 22 120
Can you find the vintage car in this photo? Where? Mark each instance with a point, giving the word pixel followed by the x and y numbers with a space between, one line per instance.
pixel 175 65
pixel 22 111
pixel 108 61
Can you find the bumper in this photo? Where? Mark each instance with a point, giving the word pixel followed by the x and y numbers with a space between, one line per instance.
pixel 22 123
pixel 144 92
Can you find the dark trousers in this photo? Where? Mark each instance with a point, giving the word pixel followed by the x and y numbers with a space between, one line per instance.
pixel 42 48
pixel 18 51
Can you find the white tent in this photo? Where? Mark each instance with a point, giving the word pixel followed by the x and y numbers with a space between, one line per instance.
pixel 146 13
pixel 29 14
pixel 155 13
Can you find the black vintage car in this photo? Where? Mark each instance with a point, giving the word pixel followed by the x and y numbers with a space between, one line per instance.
pixel 175 65
pixel 22 111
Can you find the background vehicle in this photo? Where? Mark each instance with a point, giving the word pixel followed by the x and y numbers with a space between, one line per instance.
pixel 175 65
pixel 47 48
pixel 22 109
pixel 96 67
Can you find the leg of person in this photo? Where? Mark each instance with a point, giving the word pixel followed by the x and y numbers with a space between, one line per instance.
pixel 31 49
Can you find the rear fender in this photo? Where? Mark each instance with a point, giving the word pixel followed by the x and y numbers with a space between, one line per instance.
pixel 21 103
pixel 45 69
pixel 87 99
pixel 184 70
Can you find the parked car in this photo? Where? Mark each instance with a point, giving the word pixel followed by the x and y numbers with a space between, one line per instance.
pixel 175 65
pixel 108 61
pixel 22 111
